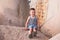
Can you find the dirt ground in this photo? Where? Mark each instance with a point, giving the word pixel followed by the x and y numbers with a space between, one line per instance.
pixel 17 33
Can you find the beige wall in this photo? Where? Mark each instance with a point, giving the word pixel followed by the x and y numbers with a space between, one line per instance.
pixel 8 8
pixel 23 11
pixel 11 12
pixel 56 37
pixel 52 24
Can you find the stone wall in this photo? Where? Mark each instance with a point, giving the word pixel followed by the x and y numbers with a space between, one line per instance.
pixel 52 24
pixel 41 11
pixel 8 10
pixel 23 11
pixel 33 3
pixel 48 13
pixel 13 12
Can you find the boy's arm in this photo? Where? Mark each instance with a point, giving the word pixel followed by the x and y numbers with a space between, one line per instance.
pixel 27 22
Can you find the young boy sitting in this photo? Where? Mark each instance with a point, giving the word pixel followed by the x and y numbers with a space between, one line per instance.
pixel 31 23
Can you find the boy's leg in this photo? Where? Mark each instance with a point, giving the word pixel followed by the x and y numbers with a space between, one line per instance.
pixel 35 31
pixel 30 31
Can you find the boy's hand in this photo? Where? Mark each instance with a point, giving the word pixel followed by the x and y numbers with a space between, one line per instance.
pixel 26 28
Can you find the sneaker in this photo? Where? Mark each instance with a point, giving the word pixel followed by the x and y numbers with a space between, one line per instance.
pixel 35 34
pixel 30 36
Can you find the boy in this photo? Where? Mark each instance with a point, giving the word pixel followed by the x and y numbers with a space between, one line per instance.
pixel 31 23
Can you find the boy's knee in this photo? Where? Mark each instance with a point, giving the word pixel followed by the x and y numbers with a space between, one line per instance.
pixel 31 29
pixel 34 29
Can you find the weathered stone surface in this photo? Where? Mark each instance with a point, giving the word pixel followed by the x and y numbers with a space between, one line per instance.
pixel 23 11
pixel 8 8
pixel 13 12
pixel 33 3
pixel 17 33
pixel 52 24
pixel 41 11
pixel 56 37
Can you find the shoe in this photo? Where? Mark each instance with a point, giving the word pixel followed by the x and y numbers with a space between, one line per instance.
pixel 30 36
pixel 35 34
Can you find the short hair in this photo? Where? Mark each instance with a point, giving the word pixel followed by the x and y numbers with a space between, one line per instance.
pixel 32 8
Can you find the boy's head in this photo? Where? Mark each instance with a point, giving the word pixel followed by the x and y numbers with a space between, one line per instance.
pixel 32 11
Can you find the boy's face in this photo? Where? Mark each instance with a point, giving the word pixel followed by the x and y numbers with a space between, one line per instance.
pixel 32 12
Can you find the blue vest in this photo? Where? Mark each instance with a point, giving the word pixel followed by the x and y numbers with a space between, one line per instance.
pixel 32 21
